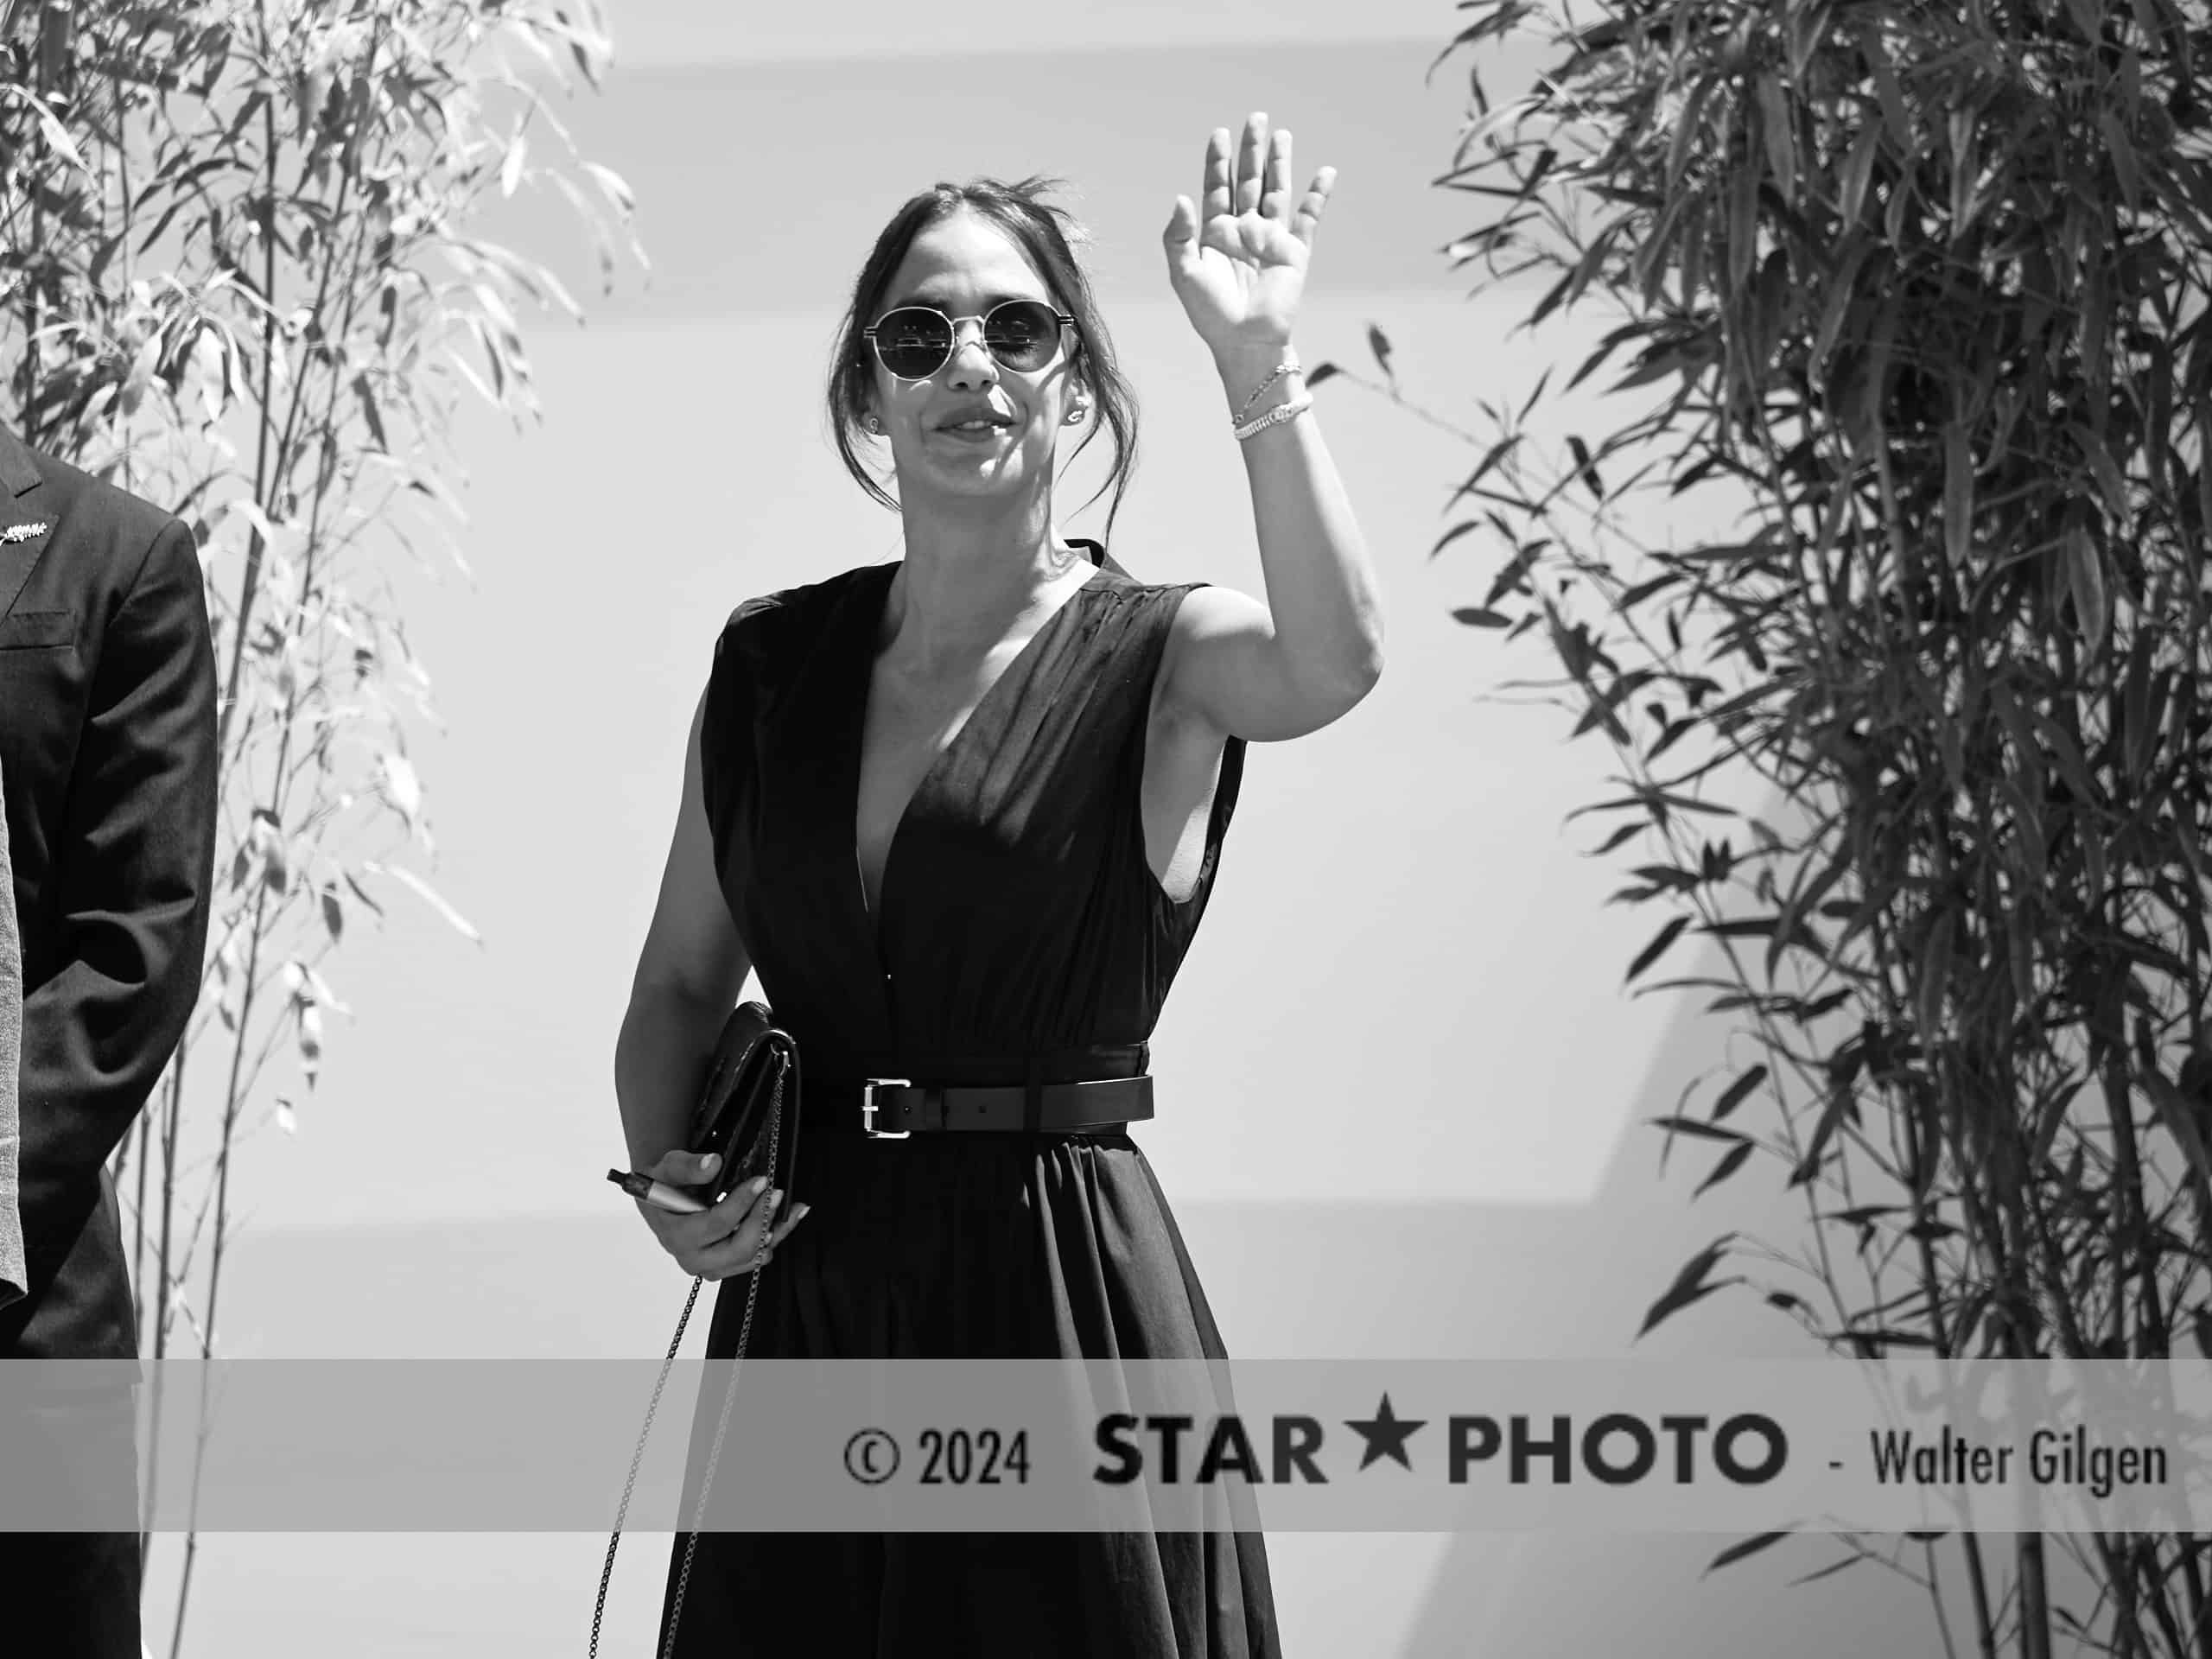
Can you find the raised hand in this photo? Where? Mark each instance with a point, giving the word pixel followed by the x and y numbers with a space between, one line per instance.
pixel 1239 267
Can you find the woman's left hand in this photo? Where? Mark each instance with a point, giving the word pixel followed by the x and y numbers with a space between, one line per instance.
pixel 1240 269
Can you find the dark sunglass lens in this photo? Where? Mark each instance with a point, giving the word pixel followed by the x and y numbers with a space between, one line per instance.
pixel 1022 334
pixel 913 342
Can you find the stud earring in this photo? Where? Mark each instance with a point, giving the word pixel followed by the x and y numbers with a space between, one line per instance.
pixel 875 425
pixel 1074 417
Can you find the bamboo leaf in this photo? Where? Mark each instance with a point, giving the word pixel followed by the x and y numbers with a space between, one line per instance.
pixel 610 182
pixel 1627 831
pixel 366 899
pixel 1743 225
pixel 1657 947
pixel 1961 123
pixel 50 127
pixel 2121 152
pixel 1935 976
pixel 401 787
pixel 1737 1091
pixel 2204 476
pixel 1597 359
pixel 1585 469
pixel 309 1037
pixel 1842 289
pixel 1781 143
pixel 2085 579
pixel 2142 704
pixel 2020 955
pixel 1958 494
pixel 1687 128
pixel 1889 94
pixel 1737 1552
pixel 2089 18
pixel 1690 1284
pixel 1863 1216
pixel 2178 1113
pixel 1700 1128
pixel 1535 396
pixel 1729 1163
pixel 1635 596
pixel 1552 299
pixel 1839 1100
pixel 1454 533
pixel 1379 345
pixel 1858 174
pixel 2050 1116
pixel 1494 453
pixel 367 396
pixel 2097 307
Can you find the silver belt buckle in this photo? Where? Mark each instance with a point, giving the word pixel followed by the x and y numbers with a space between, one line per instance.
pixel 868 1086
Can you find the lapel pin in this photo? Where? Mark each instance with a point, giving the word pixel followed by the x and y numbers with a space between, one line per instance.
pixel 22 532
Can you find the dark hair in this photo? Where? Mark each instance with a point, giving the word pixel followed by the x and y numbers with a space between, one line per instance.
pixel 1049 236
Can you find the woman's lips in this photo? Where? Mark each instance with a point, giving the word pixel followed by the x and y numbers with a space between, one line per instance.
pixel 982 434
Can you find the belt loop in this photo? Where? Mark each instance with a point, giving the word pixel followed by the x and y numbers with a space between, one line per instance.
pixel 1032 1094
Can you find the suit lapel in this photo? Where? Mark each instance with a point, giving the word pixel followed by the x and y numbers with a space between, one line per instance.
pixel 25 529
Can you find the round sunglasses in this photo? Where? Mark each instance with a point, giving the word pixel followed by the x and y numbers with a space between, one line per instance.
pixel 915 341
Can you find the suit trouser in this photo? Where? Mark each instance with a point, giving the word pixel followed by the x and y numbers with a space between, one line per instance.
pixel 72 1461
pixel 77 1591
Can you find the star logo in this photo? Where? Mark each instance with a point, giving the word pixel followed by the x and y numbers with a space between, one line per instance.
pixel 1385 1435
pixel 22 532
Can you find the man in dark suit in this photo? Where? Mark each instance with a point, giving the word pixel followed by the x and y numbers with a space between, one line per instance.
pixel 108 747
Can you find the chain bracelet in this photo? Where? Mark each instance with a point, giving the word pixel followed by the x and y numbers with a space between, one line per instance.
pixel 1276 416
pixel 1281 370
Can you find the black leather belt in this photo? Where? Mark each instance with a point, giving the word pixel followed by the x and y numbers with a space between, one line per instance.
pixel 892 1108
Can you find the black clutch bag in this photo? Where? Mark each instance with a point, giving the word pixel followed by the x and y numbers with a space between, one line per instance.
pixel 748 1111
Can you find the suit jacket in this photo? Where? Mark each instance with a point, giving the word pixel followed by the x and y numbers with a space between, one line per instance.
pixel 11 1053
pixel 107 742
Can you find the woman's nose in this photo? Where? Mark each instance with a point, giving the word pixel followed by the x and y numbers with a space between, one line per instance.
pixel 971 364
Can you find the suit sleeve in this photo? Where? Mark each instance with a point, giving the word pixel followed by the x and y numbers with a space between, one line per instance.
pixel 134 870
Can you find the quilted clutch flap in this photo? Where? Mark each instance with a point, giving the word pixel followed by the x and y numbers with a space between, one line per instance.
pixel 742 1114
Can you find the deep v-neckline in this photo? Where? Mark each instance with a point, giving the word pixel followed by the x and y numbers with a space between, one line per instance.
pixel 872 629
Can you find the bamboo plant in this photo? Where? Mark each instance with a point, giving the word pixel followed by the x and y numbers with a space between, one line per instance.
pixel 236 277
pixel 1918 290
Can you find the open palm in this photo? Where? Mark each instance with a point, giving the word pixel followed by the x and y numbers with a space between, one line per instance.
pixel 1239 267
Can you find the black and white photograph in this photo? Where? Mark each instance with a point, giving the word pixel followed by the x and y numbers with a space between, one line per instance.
pixel 1448 756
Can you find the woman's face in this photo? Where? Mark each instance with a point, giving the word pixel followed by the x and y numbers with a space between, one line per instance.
pixel 963 265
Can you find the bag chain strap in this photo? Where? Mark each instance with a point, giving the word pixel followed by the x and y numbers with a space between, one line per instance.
pixel 744 1335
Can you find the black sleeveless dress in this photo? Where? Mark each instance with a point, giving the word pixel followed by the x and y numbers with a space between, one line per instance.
pixel 1018 920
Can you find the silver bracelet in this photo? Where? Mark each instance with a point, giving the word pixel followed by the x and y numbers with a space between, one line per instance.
pixel 1281 370
pixel 1276 416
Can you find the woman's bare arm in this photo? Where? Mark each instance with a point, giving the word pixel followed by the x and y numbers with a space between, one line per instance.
pixel 689 972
